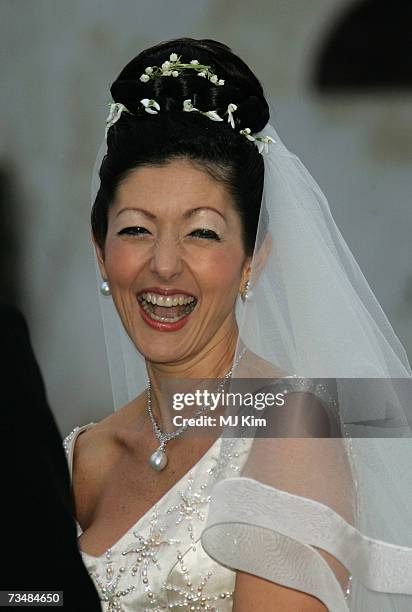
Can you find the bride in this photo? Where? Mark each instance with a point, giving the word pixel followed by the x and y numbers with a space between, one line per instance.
pixel 218 254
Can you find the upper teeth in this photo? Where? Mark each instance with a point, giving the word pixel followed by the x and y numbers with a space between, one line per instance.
pixel 170 300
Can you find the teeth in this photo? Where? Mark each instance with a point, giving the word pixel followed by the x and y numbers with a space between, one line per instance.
pixel 148 309
pixel 168 301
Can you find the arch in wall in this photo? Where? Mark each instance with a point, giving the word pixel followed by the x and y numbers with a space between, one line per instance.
pixel 367 48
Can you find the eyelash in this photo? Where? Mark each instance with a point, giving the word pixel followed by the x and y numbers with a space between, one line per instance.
pixel 132 231
pixel 211 234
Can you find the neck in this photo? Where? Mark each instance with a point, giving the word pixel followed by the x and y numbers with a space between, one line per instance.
pixel 214 360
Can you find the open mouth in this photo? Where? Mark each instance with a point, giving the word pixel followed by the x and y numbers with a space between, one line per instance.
pixel 167 309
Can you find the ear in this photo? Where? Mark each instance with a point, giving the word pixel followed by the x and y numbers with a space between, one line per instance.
pixel 246 271
pixel 259 260
pixel 100 257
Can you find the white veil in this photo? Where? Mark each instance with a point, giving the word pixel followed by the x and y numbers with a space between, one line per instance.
pixel 300 499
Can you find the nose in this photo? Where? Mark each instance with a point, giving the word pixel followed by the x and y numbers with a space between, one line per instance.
pixel 166 261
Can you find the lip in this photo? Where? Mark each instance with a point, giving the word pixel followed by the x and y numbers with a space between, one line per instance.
pixel 163 325
pixel 162 291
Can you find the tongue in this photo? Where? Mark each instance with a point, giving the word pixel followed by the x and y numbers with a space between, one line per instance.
pixel 168 311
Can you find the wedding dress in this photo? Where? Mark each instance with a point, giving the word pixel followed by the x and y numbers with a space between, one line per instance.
pixel 160 562
pixel 147 568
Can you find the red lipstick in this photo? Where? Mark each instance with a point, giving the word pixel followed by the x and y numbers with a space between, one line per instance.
pixel 163 325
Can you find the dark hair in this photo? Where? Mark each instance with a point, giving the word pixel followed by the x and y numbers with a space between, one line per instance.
pixel 141 139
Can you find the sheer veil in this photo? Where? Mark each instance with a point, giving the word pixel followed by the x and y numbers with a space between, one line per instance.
pixel 331 487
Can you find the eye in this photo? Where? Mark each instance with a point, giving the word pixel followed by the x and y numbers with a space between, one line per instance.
pixel 133 231
pixel 205 233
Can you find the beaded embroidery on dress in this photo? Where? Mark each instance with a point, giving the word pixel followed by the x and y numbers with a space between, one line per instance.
pixel 146 569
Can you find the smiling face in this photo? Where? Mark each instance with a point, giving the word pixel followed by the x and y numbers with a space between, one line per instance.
pixel 174 259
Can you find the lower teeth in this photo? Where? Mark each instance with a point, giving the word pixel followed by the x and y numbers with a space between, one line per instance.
pixel 164 319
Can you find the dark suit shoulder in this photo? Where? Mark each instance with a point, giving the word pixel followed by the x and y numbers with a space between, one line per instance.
pixel 10 318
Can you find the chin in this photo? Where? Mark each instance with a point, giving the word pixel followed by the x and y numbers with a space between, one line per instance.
pixel 158 352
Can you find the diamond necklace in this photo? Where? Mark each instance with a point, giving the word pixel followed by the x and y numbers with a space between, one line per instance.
pixel 158 460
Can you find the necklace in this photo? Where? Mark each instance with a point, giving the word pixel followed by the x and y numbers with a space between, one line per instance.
pixel 158 460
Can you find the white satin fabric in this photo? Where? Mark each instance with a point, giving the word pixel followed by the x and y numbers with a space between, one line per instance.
pixel 176 582
pixel 258 528
pixel 273 534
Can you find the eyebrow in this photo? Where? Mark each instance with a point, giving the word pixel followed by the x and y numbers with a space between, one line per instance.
pixel 186 215
pixel 146 213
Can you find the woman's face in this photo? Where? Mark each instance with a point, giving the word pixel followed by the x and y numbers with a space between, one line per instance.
pixel 174 236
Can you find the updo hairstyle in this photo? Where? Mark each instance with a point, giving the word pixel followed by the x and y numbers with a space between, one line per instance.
pixel 142 139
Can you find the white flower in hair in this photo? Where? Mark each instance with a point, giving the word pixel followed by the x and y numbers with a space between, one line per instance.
pixel 230 110
pixel 263 143
pixel 262 147
pixel 213 115
pixel 247 132
pixel 174 66
pixel 150 106
pixel 116 109
pixel 188 106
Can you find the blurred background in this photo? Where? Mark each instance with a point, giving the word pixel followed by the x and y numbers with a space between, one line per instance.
pixel 338 74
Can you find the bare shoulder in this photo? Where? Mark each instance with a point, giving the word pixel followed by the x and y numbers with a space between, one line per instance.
pixel 93 447
pixel 107 432
pixel 96 446
pixel 96 451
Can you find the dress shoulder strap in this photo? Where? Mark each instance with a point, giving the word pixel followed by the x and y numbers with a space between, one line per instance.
pixel 69 442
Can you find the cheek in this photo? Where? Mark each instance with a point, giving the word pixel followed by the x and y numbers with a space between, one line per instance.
pixel 220 270
pixel 122 263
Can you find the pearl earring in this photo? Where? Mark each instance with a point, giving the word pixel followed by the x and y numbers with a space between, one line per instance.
pixel 105 288
pixel 246 293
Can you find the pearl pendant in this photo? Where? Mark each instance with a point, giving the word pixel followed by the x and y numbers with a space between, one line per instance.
pixel 158 460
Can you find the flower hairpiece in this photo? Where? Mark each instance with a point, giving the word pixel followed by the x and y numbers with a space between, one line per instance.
pixel 173 67
pixel 212 114
pixel 150 106
pixel 262 142
pixel 115 112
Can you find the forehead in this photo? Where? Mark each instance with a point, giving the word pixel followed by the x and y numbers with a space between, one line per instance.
pixel 174 186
